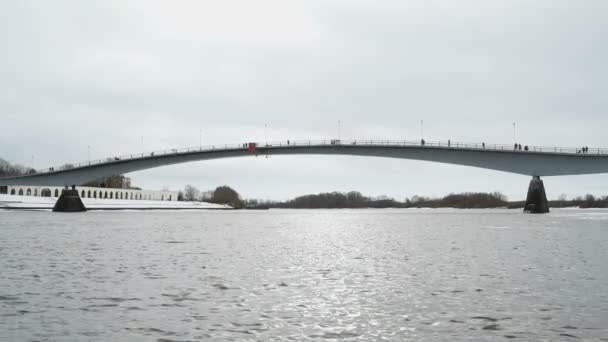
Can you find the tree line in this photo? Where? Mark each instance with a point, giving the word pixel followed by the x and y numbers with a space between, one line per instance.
pixel 113 182
pixel 221 195
pixel 354 199
pixel 584 202
pixel 10 170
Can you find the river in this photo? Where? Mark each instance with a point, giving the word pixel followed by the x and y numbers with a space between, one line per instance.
pixel 304 275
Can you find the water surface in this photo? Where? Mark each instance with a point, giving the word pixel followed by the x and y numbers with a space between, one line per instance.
pixel 307 275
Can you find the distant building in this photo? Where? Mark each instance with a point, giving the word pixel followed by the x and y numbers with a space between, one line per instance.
pixel 90 192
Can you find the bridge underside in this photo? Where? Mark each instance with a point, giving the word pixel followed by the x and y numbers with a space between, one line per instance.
pixel 524 163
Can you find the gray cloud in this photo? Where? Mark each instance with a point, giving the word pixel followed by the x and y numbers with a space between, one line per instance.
pixel 104 74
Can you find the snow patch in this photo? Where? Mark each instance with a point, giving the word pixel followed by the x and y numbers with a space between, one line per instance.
pixel 29 202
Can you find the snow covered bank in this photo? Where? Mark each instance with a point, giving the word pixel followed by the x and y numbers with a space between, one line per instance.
pixel 29 202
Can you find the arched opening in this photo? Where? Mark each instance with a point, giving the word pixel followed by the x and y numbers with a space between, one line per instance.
pixel 20 192
pixel 56 192
pixel 111 195
pixel 95 194
pixel 121 195
pixel 131 195
pixel 12 191
pixel 162 197
pixel 46 192
pixel 89 194
pixel 82 194
pixel 28 192
pixel 105 195
pixel 36 192
pixel 170 198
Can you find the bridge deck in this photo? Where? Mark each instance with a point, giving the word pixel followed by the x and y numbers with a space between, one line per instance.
pixel 551 150
pixel 537 161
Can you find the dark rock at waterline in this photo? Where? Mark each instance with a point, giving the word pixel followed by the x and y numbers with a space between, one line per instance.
pixel 568 335
pixel 492 327
pixel 485 318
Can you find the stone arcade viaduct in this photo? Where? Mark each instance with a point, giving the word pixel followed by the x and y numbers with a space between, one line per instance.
pixel 535 161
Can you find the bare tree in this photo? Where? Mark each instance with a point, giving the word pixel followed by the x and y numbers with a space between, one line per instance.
pixel 191 193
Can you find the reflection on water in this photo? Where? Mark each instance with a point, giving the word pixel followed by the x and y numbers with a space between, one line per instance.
pixel 364 275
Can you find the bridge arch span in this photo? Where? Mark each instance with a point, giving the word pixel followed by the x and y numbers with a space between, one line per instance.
pixel 535 162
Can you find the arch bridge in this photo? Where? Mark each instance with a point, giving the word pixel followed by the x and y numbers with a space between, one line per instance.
pixel 535 161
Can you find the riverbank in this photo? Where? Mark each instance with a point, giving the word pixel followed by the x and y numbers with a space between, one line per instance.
pixel 47 203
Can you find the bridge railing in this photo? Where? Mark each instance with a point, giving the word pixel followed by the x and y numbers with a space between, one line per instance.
pixel 442 144
pixel 329 142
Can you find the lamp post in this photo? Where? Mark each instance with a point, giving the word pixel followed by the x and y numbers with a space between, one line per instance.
pixel 421 129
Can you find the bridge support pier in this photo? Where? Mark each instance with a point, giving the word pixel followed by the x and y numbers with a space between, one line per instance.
pixel 536 201
pixel 69 201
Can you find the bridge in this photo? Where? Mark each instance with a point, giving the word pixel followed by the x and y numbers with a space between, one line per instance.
pixel 535 161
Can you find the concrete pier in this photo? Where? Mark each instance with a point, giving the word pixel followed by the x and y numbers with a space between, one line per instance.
pixel 536 201
pixel 69 202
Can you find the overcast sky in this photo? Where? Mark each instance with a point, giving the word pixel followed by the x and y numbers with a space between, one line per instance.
pixel 103 74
